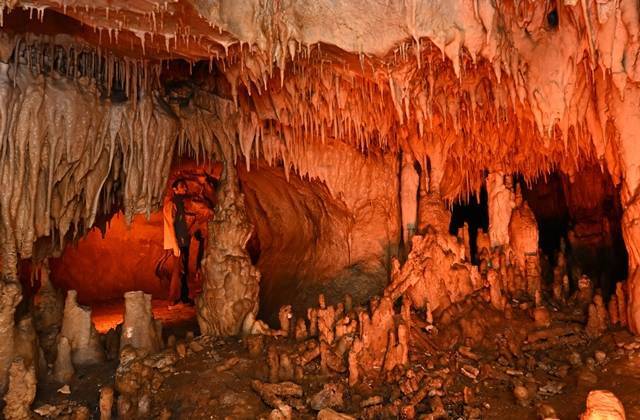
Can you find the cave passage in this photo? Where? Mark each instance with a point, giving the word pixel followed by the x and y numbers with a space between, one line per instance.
pixel 582 214
pixel 475 214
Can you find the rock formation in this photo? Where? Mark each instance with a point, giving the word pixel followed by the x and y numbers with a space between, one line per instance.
pixel 139 329
pixel 48 310
pixel 63 369
pixel 603 405
pixel 345 129
pixel 230 290
pixel 501 204
pixel 21 392
pixel 78 329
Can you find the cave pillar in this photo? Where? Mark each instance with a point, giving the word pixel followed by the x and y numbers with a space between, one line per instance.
pixel 501 203
pixel 523 236
pixel 10 296
pixel 10 290
pixel 230 282
pixel 409 180
pixel 631 234
pixel 432 210
pixel 627 122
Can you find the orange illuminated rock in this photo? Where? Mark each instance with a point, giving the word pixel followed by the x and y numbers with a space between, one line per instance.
pixel 21 392
pixel 139 329
pixel 230 288
pixel 603 405
pixel 78 328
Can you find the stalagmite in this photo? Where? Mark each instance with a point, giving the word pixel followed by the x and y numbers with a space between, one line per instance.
pixel 501 204
pixel 9 298
pixel 21 392
pixel 139 329
pixel 435 273
pixel 603 405
pixel 523 234
pixel 498 301
pixel 408 197
pixel 597 319
pixel 78 328
pixel 27 346
pixel 63 369
pixel 621 299
pixel 230 290
pixel 285 314
pixel 48 311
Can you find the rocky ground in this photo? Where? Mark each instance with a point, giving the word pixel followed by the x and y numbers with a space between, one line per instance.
pixel 503 369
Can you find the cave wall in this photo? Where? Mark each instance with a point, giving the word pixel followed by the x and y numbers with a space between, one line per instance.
pixel 104 268
pixel 334 236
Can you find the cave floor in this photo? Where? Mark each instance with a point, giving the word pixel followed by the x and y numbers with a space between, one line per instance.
pixel 212 378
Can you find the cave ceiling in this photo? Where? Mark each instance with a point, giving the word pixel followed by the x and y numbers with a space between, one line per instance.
pixel 518 86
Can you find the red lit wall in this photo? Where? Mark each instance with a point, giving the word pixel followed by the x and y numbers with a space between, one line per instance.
pixel 105 268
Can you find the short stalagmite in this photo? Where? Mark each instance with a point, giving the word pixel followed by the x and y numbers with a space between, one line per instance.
pixel 501 204
pixel 48 310
pixel 78 328
pixel 63 367
pixel 603 405
pixel 139 329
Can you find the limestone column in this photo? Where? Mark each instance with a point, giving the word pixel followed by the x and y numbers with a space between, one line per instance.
pixel 501 203
pixel 231 283
pixel 10 290
pixel 627 121
pixel 523 236
pixel 409 180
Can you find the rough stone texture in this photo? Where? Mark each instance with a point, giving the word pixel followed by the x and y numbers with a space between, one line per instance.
pixel 231 282
pixel 78 328
pixel 9 299
pixel 329 414
pixel 523 232
pixel 465 87
pixel 139 330
pixel 603 405
pixel 21 392
pixel 48 309
pixel 27 346
pixel 435 272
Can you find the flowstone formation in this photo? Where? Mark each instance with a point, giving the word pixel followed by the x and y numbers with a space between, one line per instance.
pixel 230 289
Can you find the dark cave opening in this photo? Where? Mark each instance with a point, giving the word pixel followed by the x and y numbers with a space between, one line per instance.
pixel 475 214
pixel 584 214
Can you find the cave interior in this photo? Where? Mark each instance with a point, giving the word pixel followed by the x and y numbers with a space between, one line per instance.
pixel 333 209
